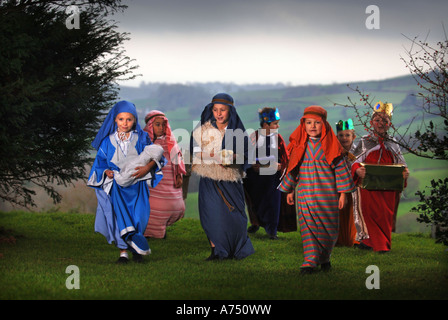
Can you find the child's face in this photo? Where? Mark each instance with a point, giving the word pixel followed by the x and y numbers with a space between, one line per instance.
pixel 380 123
pixel 125 121
pixel 221 113
pixel 159 127
pixel 271 127
pixel 313 127
pixel 346 138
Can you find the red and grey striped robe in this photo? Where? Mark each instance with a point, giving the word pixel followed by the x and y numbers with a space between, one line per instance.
pixel 316 185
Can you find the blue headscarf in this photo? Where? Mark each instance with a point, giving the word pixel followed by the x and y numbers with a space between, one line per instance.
pixel 233 124
pixel 109 125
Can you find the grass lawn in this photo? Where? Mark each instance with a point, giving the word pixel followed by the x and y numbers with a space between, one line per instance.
pixel 36 249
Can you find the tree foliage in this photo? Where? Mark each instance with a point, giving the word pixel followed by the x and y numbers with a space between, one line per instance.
pixel 433 209
pixel 428 65
pixel 55 85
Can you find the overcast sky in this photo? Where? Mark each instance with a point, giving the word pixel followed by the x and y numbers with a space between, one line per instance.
pixel 262 41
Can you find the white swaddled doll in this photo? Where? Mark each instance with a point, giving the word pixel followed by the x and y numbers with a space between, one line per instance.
pixel 124 177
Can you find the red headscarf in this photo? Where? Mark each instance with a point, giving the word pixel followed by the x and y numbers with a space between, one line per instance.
pixel 298 139
pixel 173 148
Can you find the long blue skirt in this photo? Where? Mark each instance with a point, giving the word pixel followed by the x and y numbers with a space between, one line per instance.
pixel 123 215
pixel 223 217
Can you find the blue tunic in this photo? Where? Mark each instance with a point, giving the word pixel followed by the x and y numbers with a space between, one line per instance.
pixel 122 213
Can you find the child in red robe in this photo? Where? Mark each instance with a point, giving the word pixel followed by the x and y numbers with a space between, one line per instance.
pixel 377 207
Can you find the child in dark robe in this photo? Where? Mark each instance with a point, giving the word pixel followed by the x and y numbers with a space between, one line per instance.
pixel 263 199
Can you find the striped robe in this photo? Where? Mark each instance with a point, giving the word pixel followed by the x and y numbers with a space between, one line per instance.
pixel 166 201
pixel 316 185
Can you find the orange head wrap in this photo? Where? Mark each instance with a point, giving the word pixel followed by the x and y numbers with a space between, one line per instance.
pixel 299 138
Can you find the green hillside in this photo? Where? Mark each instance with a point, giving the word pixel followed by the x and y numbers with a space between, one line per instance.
pixel 183 104
pixel 290 100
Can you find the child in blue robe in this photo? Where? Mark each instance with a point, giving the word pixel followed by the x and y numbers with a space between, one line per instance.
pixel 123 212
pixel 220 158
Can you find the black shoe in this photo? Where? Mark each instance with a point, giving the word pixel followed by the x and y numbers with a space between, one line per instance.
pixel 122 260
pixel 273 237
pixel 212 255
pixel 362 246
pixel 253 229
pixel 325 267
pixel 307 270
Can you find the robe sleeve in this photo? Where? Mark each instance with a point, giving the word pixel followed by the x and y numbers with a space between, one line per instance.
pixel 282 153
pixel 97 175
pixel 343 177
pixel 288 182
pixel 355 177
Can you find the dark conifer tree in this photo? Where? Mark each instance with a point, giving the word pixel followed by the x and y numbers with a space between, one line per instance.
pixel 57 79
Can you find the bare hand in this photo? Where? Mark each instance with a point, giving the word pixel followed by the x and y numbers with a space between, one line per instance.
pixel 290 198
pixel 179 181
pixel 109 173
pixel 142 171
pixel 341 203
pixel 361 172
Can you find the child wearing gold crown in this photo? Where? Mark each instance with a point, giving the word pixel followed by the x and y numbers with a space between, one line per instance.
pixel 376 208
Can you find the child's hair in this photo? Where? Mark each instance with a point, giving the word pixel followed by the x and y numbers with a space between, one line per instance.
pixel 352 131
pixel 268 115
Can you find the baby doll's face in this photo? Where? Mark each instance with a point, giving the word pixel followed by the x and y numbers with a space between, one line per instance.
pixel 271 127
pixel 313 127
pixel 125 121
pixel 380 123
pixel 346 138
pixel 159 127
pixel 221 113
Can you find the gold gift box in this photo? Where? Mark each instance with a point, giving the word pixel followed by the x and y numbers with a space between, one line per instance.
pixel 383 177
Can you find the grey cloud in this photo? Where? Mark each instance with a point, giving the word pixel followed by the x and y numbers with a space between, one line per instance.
pixel 282 16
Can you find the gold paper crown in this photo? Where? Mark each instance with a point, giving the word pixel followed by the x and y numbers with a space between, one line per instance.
pixel 387 108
